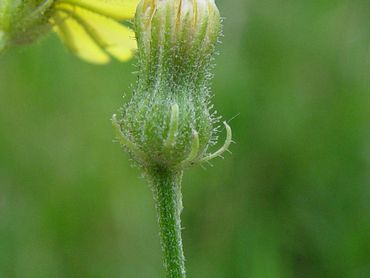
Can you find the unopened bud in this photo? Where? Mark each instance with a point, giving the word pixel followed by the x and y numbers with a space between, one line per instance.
pixel 177 35
pixel 168 123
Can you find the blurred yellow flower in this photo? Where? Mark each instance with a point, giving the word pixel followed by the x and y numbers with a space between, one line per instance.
pixel 91 28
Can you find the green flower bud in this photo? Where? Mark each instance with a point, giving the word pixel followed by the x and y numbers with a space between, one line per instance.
pixel 168 123
pixel 177 35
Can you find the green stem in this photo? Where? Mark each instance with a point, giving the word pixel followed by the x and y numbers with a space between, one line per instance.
pixel 166 186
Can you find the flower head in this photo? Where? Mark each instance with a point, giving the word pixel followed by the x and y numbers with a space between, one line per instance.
pixel 89 28
pixel 169 123
pixel 183 30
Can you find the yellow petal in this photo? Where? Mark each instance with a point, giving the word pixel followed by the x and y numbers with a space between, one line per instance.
pixel 117 9
pixel 111 36
pixel 75 37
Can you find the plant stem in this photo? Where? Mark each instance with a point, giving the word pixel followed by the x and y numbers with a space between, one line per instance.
pixel 166 186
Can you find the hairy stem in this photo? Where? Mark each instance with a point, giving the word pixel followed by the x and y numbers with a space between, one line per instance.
pixel 166 186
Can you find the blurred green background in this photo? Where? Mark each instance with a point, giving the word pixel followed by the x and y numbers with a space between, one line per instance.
pixel 292 201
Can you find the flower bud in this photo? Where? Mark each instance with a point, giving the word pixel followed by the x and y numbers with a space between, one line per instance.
pixel 168 124
pixel 177 35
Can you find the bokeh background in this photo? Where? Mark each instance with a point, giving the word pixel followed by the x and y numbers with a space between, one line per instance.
pixel 293 200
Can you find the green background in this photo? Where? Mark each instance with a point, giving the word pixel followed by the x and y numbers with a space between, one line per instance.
pixel 293 200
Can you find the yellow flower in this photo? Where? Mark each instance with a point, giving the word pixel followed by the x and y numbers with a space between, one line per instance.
pixel 91 29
